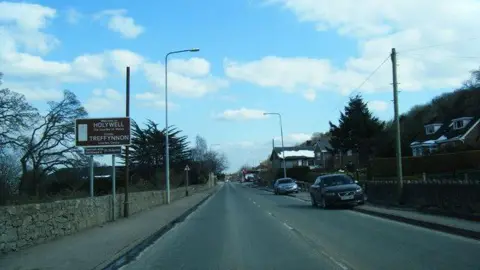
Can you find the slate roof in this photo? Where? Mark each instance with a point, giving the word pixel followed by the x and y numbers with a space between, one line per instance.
pixel 445 132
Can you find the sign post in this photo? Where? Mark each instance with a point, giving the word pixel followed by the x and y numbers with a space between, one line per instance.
pixel 102 136
pixel 91 176
pixel 114 180
pixel 94 151
pixel 187 169
pixel 102 131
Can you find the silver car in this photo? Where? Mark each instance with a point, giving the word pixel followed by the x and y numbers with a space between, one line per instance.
pixel 285 186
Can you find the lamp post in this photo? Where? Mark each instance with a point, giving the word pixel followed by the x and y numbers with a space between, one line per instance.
pixel 167 152
pixel 283 147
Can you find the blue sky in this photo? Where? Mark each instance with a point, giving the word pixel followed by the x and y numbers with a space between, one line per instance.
pixel 300 58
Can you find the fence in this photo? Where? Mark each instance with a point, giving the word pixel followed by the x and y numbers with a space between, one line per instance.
pixel 73 183
pixel 453 197
pixel 450 163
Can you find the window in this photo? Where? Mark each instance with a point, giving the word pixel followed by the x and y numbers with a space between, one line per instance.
pixel 336 180
pixel 458 124
pixel 349 153
pixel 429 129
pixel 285 181
pixel 318 181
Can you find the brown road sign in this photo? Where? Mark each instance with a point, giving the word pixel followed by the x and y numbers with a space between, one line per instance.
pixel 93 151
pixel 102 132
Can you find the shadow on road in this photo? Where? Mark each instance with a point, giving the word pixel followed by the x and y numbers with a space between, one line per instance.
pixel 298 206
pixel 309 207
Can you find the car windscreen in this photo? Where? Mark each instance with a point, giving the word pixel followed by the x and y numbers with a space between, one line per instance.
pixel 285 181
pixel 336 180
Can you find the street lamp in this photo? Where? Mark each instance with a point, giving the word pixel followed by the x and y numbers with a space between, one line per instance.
pixel 167 150
pixel 283 147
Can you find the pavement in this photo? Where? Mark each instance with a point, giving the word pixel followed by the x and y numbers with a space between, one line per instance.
pixel 456 226
pixel 98 247
pixel 248 228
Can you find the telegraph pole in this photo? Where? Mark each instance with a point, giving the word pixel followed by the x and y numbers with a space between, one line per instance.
pixel 127 169
pixel 398 144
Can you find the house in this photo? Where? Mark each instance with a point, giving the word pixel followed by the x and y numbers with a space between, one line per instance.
pixel 325 158
pixel 437 133
pixel 295 156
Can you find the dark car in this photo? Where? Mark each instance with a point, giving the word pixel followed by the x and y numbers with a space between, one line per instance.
pixel 285 186
pixel 336 189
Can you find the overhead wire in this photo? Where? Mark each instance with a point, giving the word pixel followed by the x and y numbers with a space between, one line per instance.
pixel 436 45
pixel 356 90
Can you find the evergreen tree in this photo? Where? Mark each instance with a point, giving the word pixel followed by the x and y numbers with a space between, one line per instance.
pixel 357 130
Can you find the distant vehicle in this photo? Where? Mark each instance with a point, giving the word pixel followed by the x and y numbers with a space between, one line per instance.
pixel 285 186
pixel 336 189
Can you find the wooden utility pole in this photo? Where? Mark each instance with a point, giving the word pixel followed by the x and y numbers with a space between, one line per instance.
pixel 127 169
pixel 398 143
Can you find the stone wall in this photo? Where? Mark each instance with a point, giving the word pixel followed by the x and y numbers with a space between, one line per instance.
pixel 26 225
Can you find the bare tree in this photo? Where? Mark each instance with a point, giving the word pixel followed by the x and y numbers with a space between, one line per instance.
pixel 207 160
pixel 200 149
pixel 9 174
pixel 51 142
pixel 16 116
pixel 215 162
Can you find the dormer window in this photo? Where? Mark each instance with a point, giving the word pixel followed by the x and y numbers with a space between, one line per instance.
pixel 458 124
pixel 461 122
pixel 429 130
pixel 432 128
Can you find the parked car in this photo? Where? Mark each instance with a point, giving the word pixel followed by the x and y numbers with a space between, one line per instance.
pixel 336 189
pixel 285 186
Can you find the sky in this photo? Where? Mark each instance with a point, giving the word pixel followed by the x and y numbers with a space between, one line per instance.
pixel 300 58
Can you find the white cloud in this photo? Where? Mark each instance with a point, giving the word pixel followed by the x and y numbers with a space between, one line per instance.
pixel 186 85
pixel 154 101
pixel 20 25
pixel 73 16
pixel 287 73
pixel 33 92
pixel 120 59
pixel 378 105
pixel 120 23
pixel 310 95
pixel 292 139
pixel 377 25
pixel 241 114
pixel 104 100
pixel 191 67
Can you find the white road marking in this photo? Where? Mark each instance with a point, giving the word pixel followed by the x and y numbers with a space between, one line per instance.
pixel 270 213
pixel 341 265
pixel 288 227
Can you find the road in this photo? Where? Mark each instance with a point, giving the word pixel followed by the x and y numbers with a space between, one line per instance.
pixel 247 228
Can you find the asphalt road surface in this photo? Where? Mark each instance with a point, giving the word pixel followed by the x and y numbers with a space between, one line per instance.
pixel 246 228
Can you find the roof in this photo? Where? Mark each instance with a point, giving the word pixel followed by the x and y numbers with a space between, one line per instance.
pixel 294 152
pixel 323 144
pixel 446 132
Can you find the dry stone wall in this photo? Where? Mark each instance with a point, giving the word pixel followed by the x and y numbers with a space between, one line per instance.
pixel 26 225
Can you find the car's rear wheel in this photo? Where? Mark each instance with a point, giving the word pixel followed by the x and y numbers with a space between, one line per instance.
pixel 312 199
